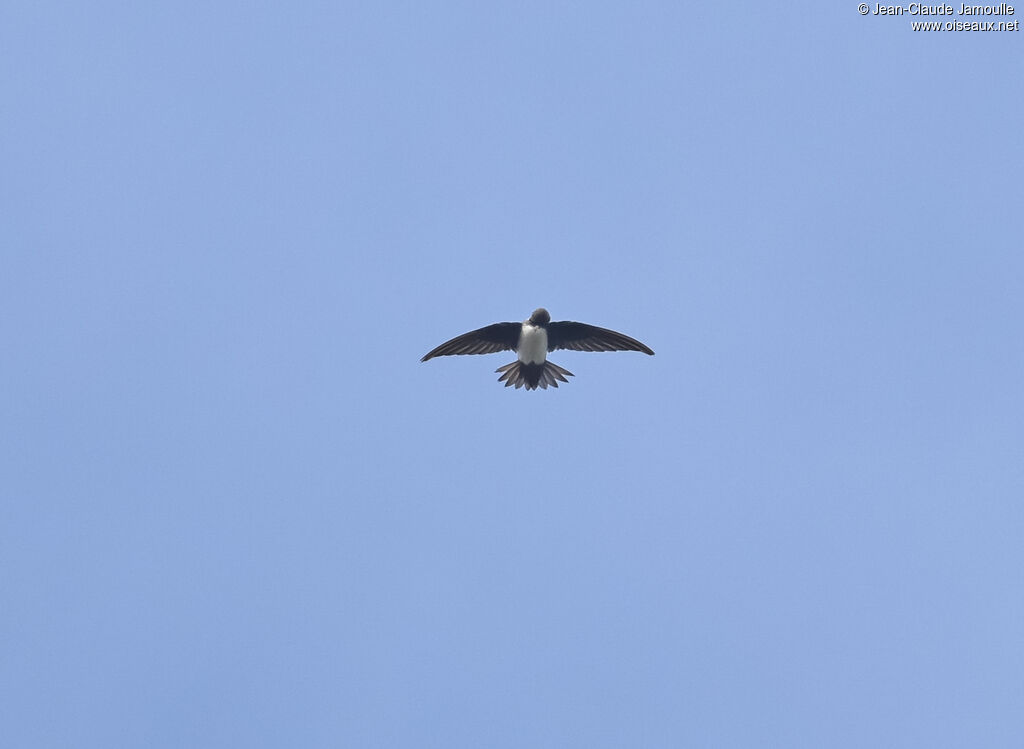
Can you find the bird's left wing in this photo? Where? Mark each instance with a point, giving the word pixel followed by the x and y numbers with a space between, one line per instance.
pixel 501 336
pixel 578 336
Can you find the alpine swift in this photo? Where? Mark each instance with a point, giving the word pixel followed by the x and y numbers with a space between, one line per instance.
pixel 532 340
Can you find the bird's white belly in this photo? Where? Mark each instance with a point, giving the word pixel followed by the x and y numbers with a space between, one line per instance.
pixel 533 345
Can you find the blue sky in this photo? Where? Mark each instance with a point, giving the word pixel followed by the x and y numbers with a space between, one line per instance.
pixel 238 511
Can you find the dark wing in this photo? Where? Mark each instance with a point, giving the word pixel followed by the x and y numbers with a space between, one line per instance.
pixel 578 336
pixel 501 336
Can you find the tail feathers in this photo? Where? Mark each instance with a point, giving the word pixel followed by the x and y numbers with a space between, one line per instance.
pixel 533 375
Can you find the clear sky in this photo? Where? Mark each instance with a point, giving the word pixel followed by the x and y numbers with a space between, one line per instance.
pixel 237 510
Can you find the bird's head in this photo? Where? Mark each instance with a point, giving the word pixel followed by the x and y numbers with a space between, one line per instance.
pixel 540 316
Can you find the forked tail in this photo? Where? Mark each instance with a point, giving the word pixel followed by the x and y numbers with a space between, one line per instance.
pixel 533 375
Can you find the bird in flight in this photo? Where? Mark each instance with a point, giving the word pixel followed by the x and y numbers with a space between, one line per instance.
pixel 532 340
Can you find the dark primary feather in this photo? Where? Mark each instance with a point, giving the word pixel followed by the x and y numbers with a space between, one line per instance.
pixel 578 336
pixel 502 336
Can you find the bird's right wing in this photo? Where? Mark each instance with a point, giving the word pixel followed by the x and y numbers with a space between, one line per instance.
pixel 502 336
